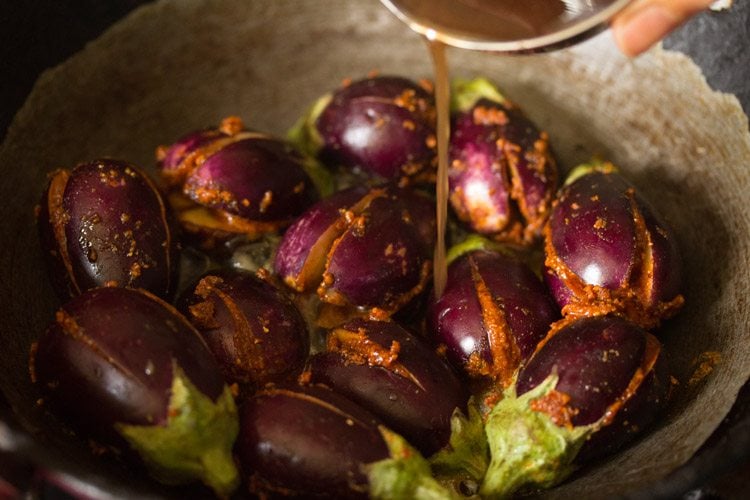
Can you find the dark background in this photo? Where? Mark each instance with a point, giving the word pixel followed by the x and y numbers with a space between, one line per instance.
pixel 38 34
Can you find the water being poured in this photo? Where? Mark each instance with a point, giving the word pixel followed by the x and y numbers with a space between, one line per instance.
pixel 442 133
pixel 510 26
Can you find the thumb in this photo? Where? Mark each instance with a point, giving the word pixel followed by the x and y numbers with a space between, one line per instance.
pixel 644 22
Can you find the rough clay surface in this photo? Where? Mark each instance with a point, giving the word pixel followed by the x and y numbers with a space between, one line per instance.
pixel 179 65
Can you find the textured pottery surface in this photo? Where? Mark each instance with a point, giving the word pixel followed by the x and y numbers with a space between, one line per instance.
pixel 175 66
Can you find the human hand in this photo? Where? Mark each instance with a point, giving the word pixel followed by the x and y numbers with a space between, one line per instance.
pixel 644 22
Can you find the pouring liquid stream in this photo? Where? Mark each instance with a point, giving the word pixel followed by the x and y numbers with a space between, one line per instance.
pixel 442 132
pixel 509 26
pixel 486 19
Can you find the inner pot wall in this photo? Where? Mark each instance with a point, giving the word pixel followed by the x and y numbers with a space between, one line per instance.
pixel 175 66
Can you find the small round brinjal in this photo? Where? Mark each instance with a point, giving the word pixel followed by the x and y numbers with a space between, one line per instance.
pixel 178 160
pixel 229 181
pixel 382 125
pixel 255 332
pixel 301 255
pixel 361 248
pixel 607 250
pixel 502 175
pixel 492 314
pixel 396 376
pixel 588 389
pixel 307 441
pixel 258 178
pixel 126 368
pixel 379 261
pixel 105 223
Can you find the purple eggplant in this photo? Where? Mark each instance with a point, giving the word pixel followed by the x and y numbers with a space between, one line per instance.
pixel 396 376
pixel 492 314
pixel 361 248
pixel 124 367
pixel 637 413
pixel 607 250
pixel 610 372
pixel 383 126
pixel 257 178
pixel 105 223
pixel 179 159
pixel 301 255
pixel 599 362
pixel 502 175
pixel 255 332
pixel 376 262
pixel 587 390
pixel 307 441
pixel 229 181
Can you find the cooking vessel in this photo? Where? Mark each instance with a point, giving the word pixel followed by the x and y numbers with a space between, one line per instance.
pixel 173 66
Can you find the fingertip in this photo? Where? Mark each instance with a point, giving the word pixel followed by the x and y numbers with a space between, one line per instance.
pixel 642 29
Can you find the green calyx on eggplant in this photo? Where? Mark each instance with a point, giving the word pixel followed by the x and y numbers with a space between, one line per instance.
pixel 104 223
pixel 454 473
pixel 194 443
pixel 589 389
pixel 608 250
pixel 125 368
pixel 591 386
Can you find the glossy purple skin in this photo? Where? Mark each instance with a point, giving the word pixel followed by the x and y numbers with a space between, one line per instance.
pixel 593 231
pixel 595 358
pixel 361 247
pixel 415 395
pixel 311 232
pixel 422 214
pixel 255 332
pixel 384 125
pixel 307 441
pixel 377 262
pixel 500 183
pixel 109 358
pixel 257 178
pixel 611 246
pixel 187 144
pixel 561 293
pixel 109 226
pixel 456 319
pixel 638 412
pixel 667 261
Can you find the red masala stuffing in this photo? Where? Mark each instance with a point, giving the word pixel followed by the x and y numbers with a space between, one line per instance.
pixel 555 404
pixel 489 116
